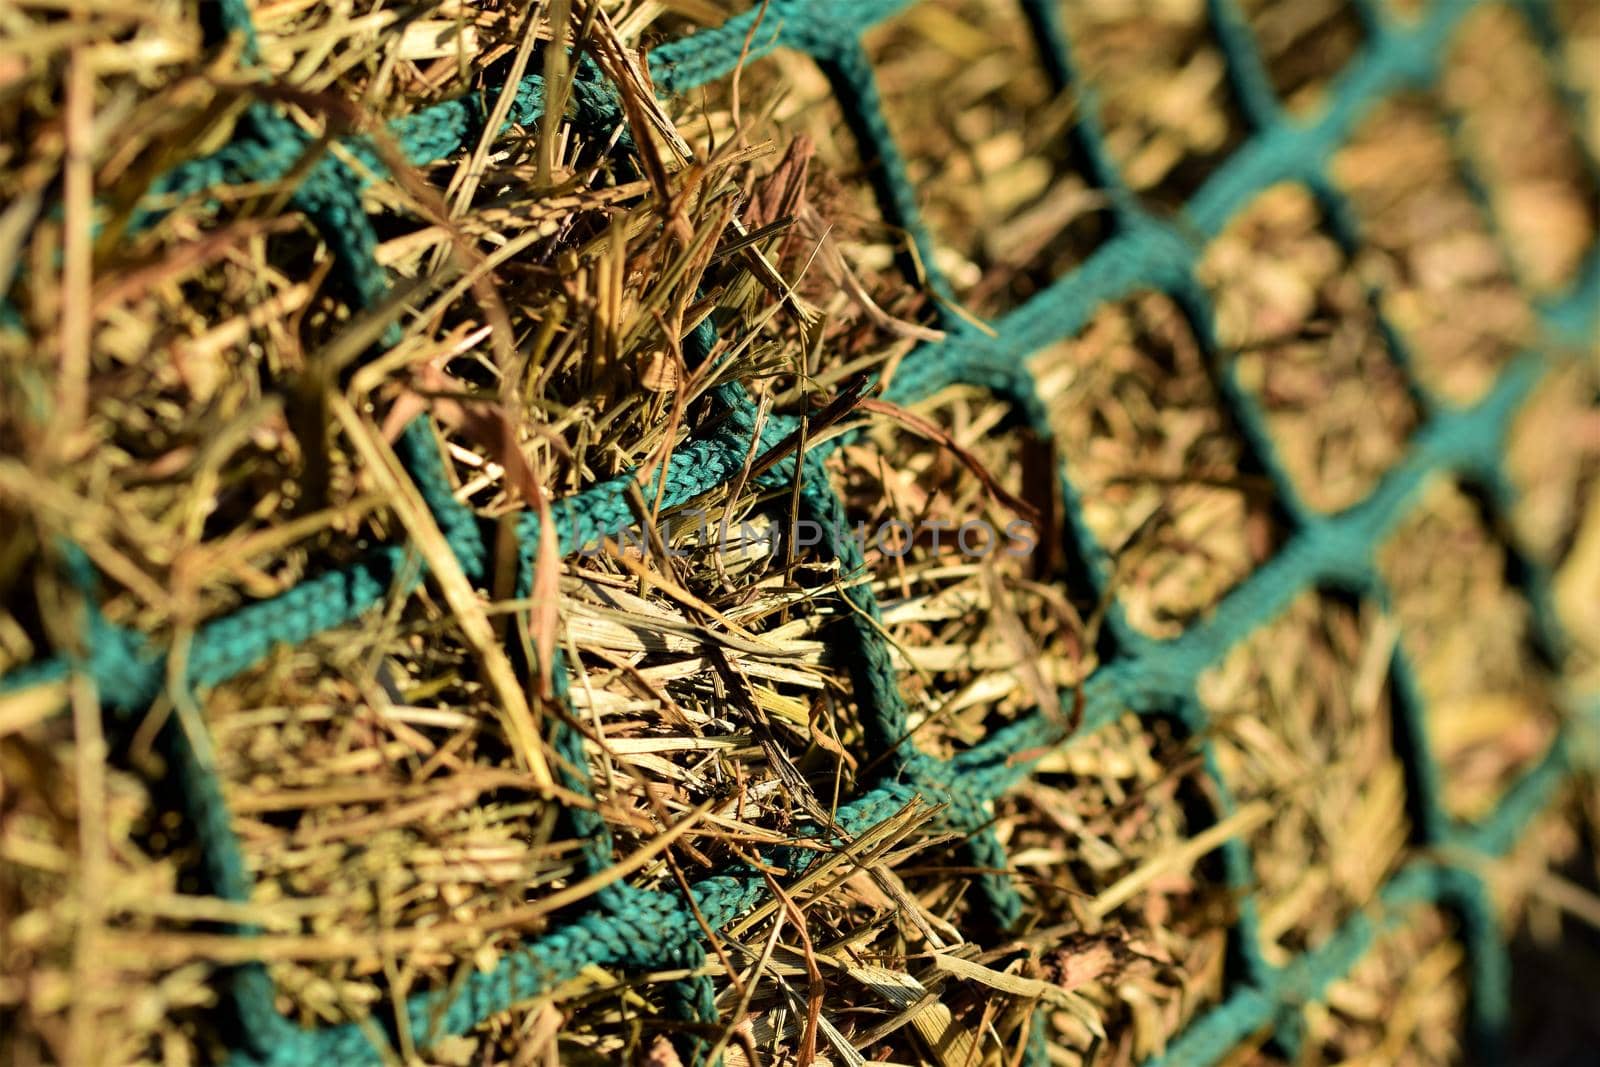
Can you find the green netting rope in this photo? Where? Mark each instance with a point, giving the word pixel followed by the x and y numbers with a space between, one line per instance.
pixel 633 929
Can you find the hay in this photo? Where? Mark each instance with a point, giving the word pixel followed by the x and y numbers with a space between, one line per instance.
pixel 1310 729
pixel 1139 938
pixel 1554 459
pixel 1579 24
pixel 1160 85
pixel 1517 134
pixel 1404 1003
pixel 1002 190
pixel 203 409
pixel 1310 347
pixel 1154 454
pixel 980 633
pixel 1427 247
pixel 1491 708
pixel 1303 46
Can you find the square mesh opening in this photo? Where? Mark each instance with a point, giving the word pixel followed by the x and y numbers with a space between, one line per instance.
pixel 1165 478
pixel 1488 701
pixel 1428 249
pixel 1160 81
pixel 1001 186
pixel 1296 319
pixel 1304 45
pixel 1519 135
pixel 1303 721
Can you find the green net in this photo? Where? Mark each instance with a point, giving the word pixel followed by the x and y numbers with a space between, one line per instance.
pixel 633 929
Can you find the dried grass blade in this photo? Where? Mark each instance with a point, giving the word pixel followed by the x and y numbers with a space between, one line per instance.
pixel 383 465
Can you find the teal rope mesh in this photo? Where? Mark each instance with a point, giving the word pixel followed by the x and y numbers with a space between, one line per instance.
pixel 634 929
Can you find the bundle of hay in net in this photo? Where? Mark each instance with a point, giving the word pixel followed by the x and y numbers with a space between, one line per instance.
pixel 798 532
